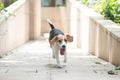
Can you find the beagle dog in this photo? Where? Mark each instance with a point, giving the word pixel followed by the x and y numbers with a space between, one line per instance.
pixel 58 42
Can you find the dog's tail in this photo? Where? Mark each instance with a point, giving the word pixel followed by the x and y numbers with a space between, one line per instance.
pixel 51 24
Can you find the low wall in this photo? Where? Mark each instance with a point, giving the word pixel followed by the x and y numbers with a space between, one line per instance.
pixel 14 31
pixel 24 26
pixel 99 36
pixel 78 23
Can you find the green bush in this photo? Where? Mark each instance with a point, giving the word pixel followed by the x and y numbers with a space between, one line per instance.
pixel 6 3
pixel 110 9
pixel 3 5
pixel 9 2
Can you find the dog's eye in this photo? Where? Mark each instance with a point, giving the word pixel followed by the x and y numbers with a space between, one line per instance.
pixel 65 40
pixel 59 41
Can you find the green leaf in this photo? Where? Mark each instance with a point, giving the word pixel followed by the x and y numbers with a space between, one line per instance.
pixel 1 5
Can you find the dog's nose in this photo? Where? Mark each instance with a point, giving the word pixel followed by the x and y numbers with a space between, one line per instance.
pixel 63 46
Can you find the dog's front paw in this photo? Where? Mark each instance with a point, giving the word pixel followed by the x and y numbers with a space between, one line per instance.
pixel 59 66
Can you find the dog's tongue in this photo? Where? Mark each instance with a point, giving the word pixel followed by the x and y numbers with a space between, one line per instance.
pixel 62 51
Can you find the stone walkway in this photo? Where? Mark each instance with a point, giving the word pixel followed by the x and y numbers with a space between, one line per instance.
pixel 32 61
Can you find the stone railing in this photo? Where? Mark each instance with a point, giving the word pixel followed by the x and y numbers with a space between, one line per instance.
pixel 18 29
pixel 14 30
pixel 99 36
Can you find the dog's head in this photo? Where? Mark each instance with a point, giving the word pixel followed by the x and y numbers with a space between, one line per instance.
pixel 61 40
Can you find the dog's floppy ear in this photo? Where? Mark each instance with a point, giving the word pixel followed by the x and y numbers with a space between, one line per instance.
pixel 54 40
pixel 69 38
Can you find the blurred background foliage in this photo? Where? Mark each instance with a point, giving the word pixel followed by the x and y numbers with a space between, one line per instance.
pixel 5 3
pixel 110 9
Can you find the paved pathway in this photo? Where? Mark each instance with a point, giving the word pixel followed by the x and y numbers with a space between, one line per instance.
pixel 32 61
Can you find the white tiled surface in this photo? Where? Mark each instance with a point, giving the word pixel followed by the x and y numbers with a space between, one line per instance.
pixel 32 61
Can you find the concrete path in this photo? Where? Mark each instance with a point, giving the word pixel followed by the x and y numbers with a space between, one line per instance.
pixel 32 61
